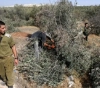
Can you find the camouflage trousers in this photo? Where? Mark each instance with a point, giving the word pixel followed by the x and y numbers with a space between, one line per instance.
pixel 6 70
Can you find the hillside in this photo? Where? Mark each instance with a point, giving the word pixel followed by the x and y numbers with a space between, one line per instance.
pixel 21 40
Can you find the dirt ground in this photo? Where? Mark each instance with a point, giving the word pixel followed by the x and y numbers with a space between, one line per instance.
pixel 20 39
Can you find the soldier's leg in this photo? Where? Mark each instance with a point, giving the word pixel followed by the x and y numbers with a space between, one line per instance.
pixel 9 65
pixel 2 71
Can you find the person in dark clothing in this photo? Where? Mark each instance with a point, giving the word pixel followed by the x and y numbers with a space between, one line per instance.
pixel 42 39
pixel 86 31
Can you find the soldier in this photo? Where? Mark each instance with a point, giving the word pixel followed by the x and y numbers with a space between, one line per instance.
pixel 86 31
pixel 8 56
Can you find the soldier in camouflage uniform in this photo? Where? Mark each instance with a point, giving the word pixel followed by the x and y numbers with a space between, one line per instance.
pixel 87 30
pixel 8 56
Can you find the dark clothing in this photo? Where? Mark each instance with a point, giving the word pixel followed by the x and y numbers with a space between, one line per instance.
pixel 10 86
pixel 86 32
pixel 41 37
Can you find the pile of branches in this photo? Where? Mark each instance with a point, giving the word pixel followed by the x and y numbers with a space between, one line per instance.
pixel 94 71
pixel 50 67
pixel 93 17
pixel 71 50
pixel 45 70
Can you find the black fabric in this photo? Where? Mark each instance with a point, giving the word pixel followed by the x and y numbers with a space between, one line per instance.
pixel 10 86
pixel 40 36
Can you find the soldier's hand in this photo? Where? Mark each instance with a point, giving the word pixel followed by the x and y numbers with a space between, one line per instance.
pixel 16 61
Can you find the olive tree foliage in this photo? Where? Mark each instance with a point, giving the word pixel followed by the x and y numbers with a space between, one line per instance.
pixel 57 19
pixel 49 69
pixel 95 75
pixel 71 47
pixel 11 18
pixel 18 16
pixel 94 71
pixel 5 15
pixel 19 11
pixel 64 14
pixel 93 16
pixel 60 22
pixel 71 51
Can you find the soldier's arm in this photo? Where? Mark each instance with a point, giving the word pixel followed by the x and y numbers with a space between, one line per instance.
pixel 12 46
pixel 15 52
pixel 15 55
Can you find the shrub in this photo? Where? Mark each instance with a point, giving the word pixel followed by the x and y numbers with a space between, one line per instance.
pixel 49 68
pixel 95 75
pixel 71 49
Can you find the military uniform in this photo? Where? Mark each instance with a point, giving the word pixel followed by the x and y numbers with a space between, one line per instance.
pixel 6 59
pixel 86 32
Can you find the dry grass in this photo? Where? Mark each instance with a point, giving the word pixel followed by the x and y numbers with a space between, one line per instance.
pixel 20 34
pixel 94 40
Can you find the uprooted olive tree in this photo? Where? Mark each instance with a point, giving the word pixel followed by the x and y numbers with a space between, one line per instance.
pixel 71 52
